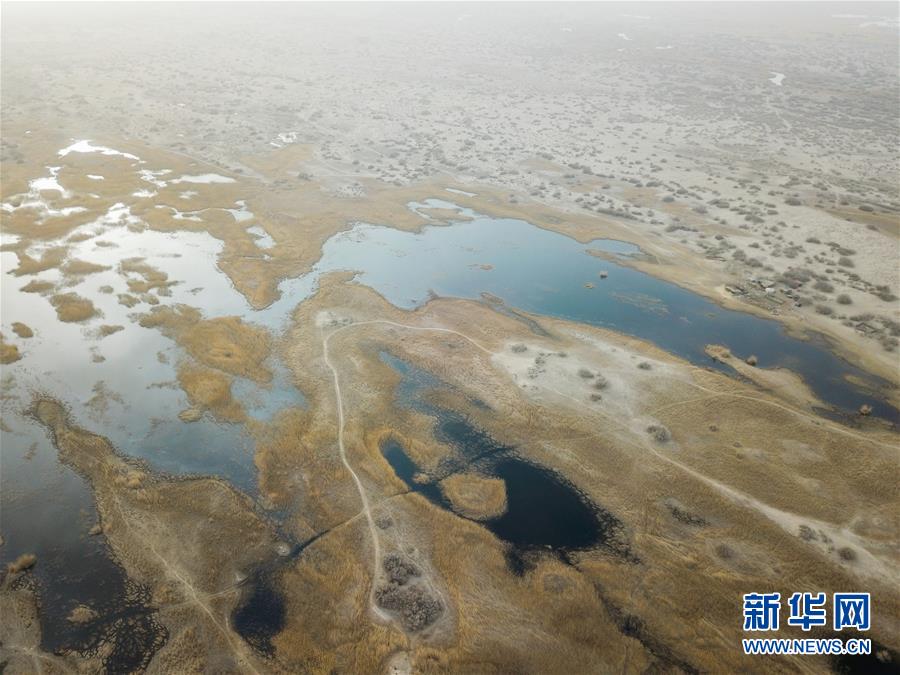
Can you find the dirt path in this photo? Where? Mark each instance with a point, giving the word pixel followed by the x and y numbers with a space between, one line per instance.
pixel 363 495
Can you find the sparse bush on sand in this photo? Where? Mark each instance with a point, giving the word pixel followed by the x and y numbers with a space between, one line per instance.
pixel 659 433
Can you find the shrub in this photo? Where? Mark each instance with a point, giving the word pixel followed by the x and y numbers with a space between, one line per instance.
pixel 844 299
pixel 22 563
pixel 659 433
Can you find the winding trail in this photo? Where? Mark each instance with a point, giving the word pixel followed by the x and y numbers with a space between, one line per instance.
pixel 363 495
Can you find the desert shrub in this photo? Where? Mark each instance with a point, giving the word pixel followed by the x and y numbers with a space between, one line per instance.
pixel 659 433
pixel 844 299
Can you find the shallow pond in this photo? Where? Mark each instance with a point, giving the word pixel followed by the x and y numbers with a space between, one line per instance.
pixel 543 272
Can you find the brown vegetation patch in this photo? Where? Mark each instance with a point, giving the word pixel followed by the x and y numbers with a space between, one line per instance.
pixel 38 286
pixel 151 278
pixel 9 353
pixel 71 307
pixel 107 329
pixel 475 496
pixel 82 268
pixel 22 330
pixel 209 389
pixel 82 614
pixel 226 343
pixel 50 259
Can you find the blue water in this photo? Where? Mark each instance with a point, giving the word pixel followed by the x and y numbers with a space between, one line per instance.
pixel 543 272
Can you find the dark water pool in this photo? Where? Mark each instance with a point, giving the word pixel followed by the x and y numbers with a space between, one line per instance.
pixel 545 513
pixel 260 615
pixel 73 568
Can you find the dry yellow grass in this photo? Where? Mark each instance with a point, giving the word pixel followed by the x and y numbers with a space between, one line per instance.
pixel 82 268
pixel 9 353
pixel 71 307
pixel 50 259
pixel 107 329
pixel 209 389
pixel 151 278
pixel 225 343
pixel 22 330
pixel 38 286
pixel 475 496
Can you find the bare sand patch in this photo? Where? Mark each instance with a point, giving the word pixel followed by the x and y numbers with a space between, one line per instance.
pixel 444 215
